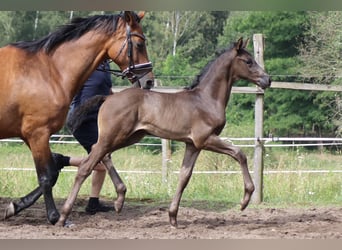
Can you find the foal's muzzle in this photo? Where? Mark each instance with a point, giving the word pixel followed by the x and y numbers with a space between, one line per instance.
pixel 265 81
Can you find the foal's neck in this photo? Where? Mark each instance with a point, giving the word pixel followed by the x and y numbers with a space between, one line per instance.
pixel 218 81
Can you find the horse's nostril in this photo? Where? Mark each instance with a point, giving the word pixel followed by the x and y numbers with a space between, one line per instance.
pixel 149 83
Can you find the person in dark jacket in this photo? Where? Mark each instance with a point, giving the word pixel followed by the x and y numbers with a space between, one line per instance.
pixel 99 83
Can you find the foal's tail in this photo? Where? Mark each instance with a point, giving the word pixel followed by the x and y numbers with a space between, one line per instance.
pixel 78 115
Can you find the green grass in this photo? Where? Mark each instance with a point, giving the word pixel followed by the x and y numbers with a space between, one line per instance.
pixel 300 189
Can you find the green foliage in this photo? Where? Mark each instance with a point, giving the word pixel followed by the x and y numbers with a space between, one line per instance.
pixel 298 46
pixel 321 59
pixel 177 70
pixel 283 69
pixel 6 27
pixel 287 112
pixel 282 30
pixel 240 109
pixel 320 52
pixel 48 21
pixel 291 112
pixel 189 45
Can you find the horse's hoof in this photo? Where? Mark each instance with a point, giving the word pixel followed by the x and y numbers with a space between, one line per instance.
pixel 53 217
pixel 10 211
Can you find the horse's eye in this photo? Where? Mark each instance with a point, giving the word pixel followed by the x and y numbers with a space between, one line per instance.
pixel 140 46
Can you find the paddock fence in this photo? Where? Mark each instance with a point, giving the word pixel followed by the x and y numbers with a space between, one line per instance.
pixel 166 156
pixel 241 142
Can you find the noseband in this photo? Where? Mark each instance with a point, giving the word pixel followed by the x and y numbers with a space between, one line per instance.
pixel 133 72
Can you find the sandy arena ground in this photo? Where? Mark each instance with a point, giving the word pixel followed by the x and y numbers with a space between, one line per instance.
pixel 147 220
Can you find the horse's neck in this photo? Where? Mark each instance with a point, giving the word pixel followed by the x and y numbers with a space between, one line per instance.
pixel 75 61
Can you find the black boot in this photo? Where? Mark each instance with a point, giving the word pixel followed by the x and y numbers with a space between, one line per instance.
pixel 60 160
pixel 94 206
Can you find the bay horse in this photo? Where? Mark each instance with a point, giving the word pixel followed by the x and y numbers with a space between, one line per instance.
pixel 55 68
pixel 195 116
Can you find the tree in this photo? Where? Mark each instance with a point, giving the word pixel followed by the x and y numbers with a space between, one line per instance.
pixel 287 112
pixel 283 31
pixel 182 37
pixel 321 51
pixel 6 27
pixel 48 21
pixel 17 25
pixel 321 57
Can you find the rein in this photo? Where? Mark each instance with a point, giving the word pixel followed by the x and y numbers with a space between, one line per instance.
pixel 133 72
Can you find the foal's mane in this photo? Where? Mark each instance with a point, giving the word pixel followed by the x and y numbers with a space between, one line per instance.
pixel 72 31
pixel 206 68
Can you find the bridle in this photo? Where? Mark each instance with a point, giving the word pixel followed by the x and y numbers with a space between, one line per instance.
pixel 133 72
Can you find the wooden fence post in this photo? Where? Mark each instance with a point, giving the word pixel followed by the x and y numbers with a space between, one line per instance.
pixel 166 151
pixel 166 158
pixel 258 43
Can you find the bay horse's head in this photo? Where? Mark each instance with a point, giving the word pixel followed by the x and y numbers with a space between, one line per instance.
pixel 245 67
pixel 129 51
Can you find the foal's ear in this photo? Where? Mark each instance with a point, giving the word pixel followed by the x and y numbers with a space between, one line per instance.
pixel 245 44
pixel 239 44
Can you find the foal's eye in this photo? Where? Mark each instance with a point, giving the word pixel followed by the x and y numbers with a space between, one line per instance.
pixel 249 62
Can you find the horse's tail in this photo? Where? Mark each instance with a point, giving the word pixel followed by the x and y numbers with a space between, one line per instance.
pixel 78 115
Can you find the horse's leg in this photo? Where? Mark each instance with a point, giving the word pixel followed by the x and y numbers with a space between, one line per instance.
pixel 46 171
pixel 215 144
pixel 15 207
pixel 26 201
pixel 118 183
pixel 190 157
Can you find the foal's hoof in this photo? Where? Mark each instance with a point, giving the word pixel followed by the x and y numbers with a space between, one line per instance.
pixel 61 223
pixel 243 206
pixel 69 224
pixel 118 206
pixel 173 222
pixel 244 203
pixel 9 211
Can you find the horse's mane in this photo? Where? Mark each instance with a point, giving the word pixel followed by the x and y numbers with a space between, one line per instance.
pixel 72 31
pixel 206 68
